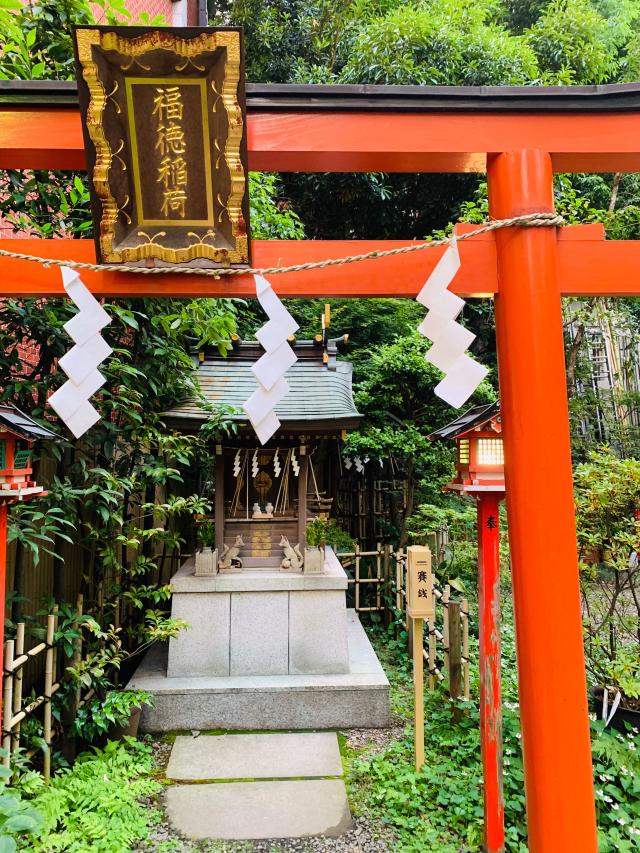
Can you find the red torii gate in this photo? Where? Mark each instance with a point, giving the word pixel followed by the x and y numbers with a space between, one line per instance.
pixel 519 137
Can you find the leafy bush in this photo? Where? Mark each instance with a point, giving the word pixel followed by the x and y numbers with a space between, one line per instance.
pixel 98 716
pixel 606 490
pixel 206 534
pixel 94 806
pixel 326 531
pixel 18 819
pixel 616 767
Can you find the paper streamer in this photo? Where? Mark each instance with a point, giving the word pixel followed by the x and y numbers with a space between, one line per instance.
pixel 71 400
pixel 276 464
pixel 295 465
pixel 450 340
pixel 236 465
pixel 271 367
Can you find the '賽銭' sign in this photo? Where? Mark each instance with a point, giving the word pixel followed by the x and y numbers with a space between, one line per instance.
pixel 164 124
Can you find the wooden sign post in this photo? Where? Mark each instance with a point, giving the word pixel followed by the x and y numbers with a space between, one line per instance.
pixel 419 607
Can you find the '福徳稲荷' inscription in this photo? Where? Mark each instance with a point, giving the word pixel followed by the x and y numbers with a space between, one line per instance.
pixel 164 124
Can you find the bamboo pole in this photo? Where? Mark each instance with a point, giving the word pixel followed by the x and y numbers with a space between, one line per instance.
pixel 378 573
pixel 399 582
pixel 386 566
pixel 464 615
pixel 17 685
pixel 445 624
pixel 357 576
pixel 7 701
pixel 48 685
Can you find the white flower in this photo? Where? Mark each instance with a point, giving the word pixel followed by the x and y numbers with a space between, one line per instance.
pixel 615 806
pixel 632 747
pixel 608 799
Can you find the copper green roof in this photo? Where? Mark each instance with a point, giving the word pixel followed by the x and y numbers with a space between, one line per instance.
pixel 320 396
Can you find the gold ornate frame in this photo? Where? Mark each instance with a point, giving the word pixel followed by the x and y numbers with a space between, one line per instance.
pixel 134 48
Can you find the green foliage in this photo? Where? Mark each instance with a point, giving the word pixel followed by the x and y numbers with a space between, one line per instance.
pixel 606 490
pixel 440 808
pixel 206 534
pixel 272 217
pixel 575 43
pixel 19 820
pixel 326 531
pixel 616 767
pixel 94 806
pixel 100 715
pixel 394 390
pixel 439 43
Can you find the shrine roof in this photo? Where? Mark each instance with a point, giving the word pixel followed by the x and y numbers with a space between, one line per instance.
pixel 277 97
pixel 320 396
pixel 473 418
pixel 22 425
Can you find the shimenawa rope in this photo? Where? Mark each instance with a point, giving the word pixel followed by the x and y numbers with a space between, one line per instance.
pixel 528 220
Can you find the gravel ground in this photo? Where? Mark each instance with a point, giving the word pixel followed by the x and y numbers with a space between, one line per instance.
pixel 363 837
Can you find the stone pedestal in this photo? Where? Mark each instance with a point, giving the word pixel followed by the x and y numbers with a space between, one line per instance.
pixel 260 623
pixel 266 650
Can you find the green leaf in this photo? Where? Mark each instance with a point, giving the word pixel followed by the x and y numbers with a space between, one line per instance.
pixel 21 823
pixel 7 845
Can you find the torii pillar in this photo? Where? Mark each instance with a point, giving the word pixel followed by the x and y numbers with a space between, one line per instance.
pixel 546 593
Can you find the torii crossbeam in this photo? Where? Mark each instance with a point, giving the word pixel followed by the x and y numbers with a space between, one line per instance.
pixel 519 137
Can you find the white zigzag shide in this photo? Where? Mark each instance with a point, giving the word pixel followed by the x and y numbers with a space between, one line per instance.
pixel 71 400
pixel 271 367
pixel 450 340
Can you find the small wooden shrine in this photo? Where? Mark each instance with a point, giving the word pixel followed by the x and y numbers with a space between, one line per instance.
pixel 270 643
pixel 264 495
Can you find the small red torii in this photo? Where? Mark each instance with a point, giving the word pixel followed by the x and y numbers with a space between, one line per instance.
pixel 519 136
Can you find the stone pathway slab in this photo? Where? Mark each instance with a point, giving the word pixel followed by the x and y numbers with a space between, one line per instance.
pixel 255 756
pixel 254 810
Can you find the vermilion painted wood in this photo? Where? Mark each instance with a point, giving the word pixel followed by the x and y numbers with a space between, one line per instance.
pixel 587 266
pixel 490 692
pixel 542 535
pixel 41 138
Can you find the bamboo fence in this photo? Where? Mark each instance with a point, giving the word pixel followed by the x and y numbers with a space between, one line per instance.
pixel 447 636
pixel 14 712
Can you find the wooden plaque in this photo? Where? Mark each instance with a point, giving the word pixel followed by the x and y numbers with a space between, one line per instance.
pixel 163 114
pixel 419 583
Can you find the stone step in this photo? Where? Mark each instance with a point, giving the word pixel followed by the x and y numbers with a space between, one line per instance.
pixel 356 699
pixel 255 810
pixel 255 756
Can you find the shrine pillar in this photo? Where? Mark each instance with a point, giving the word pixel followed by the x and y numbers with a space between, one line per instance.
pixel 542 534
